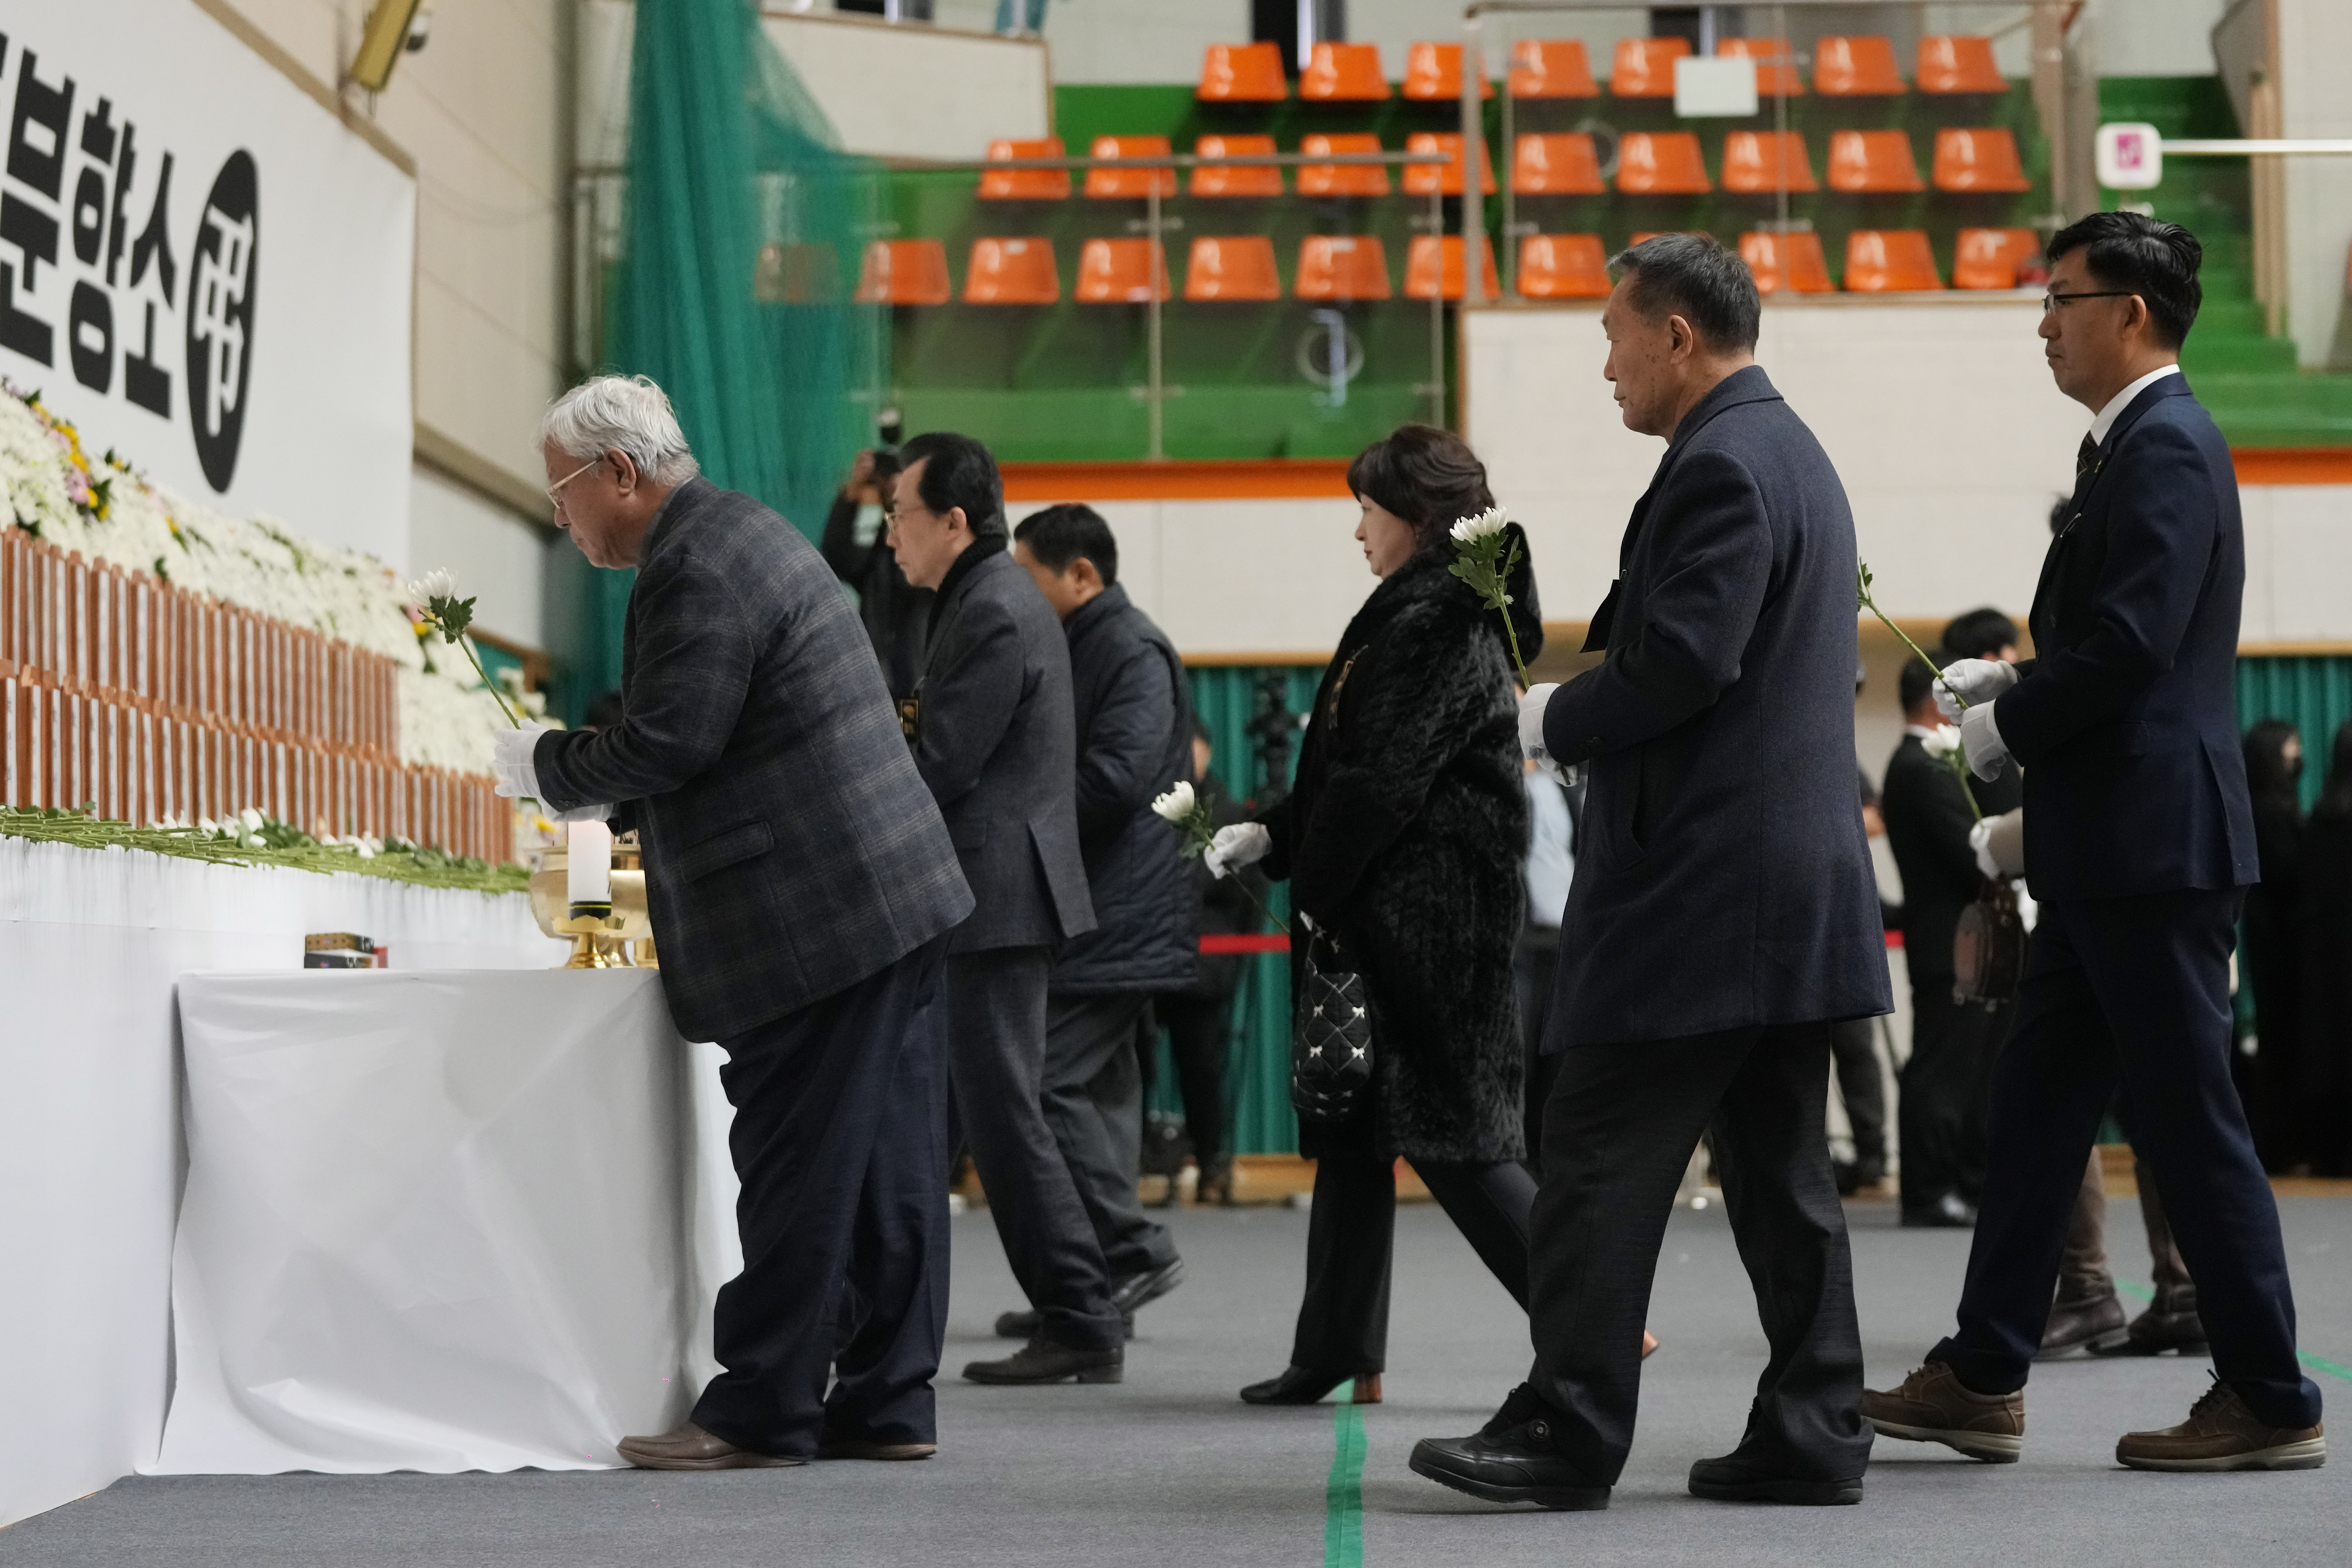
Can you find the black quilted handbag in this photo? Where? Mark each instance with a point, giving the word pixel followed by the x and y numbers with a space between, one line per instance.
pixel 1331 1034
pixel 1989 948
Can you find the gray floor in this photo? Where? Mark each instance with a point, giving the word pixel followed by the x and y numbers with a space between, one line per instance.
pixel 1169 1468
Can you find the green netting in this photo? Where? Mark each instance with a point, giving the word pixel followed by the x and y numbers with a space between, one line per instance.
pixel 744 227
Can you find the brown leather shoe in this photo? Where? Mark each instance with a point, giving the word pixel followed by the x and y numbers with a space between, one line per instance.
pixel 2221 1434
pixel 2154 1332
pixel 2082 1325
pixel 843 1446
pixel 1933 1407
pixel 686 1446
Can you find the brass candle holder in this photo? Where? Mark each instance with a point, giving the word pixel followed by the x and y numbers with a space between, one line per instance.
pixel 618 935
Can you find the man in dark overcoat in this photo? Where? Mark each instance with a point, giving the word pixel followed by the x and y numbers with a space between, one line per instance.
pixel 993 733
pixel 1723 916
pixel 2139 843
pixel 801 886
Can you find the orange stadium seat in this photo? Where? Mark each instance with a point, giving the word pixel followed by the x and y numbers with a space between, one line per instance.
pixel 1231 266
pixel 1990 258
pixel 1644 67
pixel 1243 73
pixel 1950 65
pixel 1654 233
pixel 1012 272
pixel 1342 266
pixel 1433 71
pixel 1342 179
pixel 1551 67
pixel 1661 163
pixel 1119 272
pixel 1761 161
pixel 1445 179
pixel 1791 261
pixel 1880 261
pixel 1866 160
pixel 1563 267
pixel 1556 164
pixel 1981 159
pixel 1241 179
pixel 1343 73
pixel 904 273
pixel 1856 68
pixel 1776 67
pixel 1133 183
pixel 1026 185
pixel 1432 267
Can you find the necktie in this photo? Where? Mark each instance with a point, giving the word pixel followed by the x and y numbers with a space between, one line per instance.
pixel 2087 457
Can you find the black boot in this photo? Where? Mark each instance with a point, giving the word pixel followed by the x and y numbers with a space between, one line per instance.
pixel 1042 1361
pixel 1733 1479
pixel 2154 1332
pixel 1303 1385
pixel 1514 1458
pixel 2081 1325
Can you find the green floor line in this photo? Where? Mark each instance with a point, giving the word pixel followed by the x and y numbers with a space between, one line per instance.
pixel 2138 1291
pixel 1343 1492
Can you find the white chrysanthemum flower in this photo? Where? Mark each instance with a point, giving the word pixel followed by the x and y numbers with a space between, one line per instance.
pixel 437 584
pixel 1943 742
pixel 206 824
pixel 251 818
pixel 1486 525
pixel 1177 804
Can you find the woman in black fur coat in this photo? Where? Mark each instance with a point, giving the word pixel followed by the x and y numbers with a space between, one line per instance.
pixel 1404 837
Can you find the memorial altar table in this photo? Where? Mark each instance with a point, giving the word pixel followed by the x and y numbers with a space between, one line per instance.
pixel 439 1221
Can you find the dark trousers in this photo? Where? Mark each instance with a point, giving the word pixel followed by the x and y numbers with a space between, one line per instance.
pixel 1618 1132
pixel 2135 990
pixel 996 1055
pixel 837 1141
pixel 1535 964
pixel 1863 1090
pixel 1947 1087
pixel 1094 1106
pixel 1200 1037
pixel 1343 1323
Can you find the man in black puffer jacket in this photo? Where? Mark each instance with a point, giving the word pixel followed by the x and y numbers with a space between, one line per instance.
pixel 1134 728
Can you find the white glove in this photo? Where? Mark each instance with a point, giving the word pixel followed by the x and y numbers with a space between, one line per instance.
pixel 1975 681
pixel 1980 738
pixel 511 759
pixel 2000 844
pixel 1531 728
pixel 1242 844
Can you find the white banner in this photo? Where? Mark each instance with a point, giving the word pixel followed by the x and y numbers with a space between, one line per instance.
pixel 203 269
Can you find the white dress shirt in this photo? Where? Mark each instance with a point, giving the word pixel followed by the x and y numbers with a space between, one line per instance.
pixel 2105 420
pixel 1552 862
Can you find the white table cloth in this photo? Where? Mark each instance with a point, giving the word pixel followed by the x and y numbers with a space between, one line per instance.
pixel 439 1221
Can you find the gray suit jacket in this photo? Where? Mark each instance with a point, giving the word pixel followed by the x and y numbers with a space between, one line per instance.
pixel 791 848
pixel 994 736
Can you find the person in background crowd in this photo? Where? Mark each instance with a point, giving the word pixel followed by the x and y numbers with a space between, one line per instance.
pixel 895 613
pixel 2139 843
pixel 1853 1049
pixel 1134 718
pixel 2328 967
pixel 1553 808
pixel 1723 912
pixel 1401 837
pixel 1200 1018
pixel 2270 960
pixel 990 723
pixel 758 759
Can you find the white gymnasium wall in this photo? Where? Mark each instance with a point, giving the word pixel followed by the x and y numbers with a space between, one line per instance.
pixel 2315 100
pixel 500 560
pixel 865 74
pixel 2298 560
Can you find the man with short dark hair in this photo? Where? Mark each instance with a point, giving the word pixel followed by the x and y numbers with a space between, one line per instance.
pixel 991 726
pixel 1134 731
pixel 2139 843
pixel 1723 916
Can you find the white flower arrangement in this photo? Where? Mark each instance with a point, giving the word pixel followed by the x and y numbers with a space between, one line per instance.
pixel 108 512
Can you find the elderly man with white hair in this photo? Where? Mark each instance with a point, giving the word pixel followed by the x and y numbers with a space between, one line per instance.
pixel 802 885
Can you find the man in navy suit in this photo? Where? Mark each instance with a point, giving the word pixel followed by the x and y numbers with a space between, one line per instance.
pixel 1723 918
pixel 2139 843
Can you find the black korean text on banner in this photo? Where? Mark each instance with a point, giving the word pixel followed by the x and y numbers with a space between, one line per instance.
pixel 223 268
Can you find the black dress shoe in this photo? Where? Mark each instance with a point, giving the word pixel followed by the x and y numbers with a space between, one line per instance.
pixel 1734 1480
pixel 1514 1458
pixel 1133 1290
pixel 1025 1324
pixel 1949 1211
pixel 1853 1175
pixel 2081 1325
pixel 2153 1333
pixel 1303 1385
pixel 1042 1361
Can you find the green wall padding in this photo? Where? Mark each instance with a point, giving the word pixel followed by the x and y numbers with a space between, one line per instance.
pixel 2313 693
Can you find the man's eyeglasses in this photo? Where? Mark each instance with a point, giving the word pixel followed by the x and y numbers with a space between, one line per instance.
pixel 2052 301
pixel 555 491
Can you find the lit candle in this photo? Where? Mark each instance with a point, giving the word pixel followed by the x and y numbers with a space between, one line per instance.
pixel 588 864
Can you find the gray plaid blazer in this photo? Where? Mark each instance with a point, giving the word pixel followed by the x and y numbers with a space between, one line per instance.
pixel 792 850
